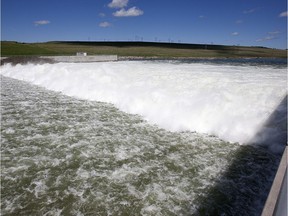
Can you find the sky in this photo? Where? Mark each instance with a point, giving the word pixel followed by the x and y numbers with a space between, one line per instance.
pixel 225 22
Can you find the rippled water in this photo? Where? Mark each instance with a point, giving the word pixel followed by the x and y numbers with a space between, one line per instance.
pixel 66 156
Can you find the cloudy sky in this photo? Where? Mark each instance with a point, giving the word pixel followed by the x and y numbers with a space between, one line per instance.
pixel 228 22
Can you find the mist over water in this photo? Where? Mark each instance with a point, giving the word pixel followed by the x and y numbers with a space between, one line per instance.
pixel 231 101
pixel 89 154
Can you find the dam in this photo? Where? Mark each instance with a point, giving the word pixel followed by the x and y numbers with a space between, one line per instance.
pixel 141 137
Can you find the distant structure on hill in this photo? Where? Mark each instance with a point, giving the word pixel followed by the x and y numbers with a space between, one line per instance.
pixel 81 54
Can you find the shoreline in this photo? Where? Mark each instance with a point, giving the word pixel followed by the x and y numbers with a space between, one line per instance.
pixel 14 60
pixel 131 58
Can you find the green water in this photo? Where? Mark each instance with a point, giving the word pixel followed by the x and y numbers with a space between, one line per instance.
pixel 64 156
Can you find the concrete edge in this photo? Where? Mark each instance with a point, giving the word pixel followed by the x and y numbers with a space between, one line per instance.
pixel 92 58
pixel 279 185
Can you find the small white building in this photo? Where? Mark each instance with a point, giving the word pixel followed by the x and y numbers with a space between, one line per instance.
pixel 81 54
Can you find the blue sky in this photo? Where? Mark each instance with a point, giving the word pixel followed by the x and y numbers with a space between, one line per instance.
pixel 227 22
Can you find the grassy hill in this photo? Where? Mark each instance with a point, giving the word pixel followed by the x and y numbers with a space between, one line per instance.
pixel 143 49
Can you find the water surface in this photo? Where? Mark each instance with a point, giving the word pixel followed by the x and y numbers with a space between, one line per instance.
pixel 74 155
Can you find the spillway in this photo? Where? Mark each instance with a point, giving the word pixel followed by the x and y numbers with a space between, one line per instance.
pixel 139 137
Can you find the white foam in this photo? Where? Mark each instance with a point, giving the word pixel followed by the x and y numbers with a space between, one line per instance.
pixel 228 101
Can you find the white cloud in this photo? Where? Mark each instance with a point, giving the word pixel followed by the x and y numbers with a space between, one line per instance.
pixel 239 22
pixel 127 13
pixel 118 3
pixel 104 24
pixel 271 36
pixel 102 14
pixel 235 34
pixel 41 22
pixel 265 39
pixel 274 33
pixel 283 14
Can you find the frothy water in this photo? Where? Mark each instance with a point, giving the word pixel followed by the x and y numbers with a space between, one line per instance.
pixel 231 102
pixel 65 155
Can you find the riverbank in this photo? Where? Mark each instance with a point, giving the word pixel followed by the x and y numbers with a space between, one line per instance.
pixel 137 50
pixel 14 60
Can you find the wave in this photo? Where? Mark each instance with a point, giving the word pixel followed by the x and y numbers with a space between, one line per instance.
pixel 229 101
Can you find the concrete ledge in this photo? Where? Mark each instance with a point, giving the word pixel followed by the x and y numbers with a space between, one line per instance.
pixel 276 203
pixel 96 58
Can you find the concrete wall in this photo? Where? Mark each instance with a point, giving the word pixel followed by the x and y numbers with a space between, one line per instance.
pixel 276 203
pixel 96 58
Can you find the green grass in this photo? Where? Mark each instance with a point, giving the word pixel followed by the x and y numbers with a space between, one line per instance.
pixel 143 49
pixel 16 49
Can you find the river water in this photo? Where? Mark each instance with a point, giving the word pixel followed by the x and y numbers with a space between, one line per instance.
pixel 141 137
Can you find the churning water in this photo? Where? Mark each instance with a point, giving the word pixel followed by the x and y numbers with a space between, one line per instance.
pixel 140 137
